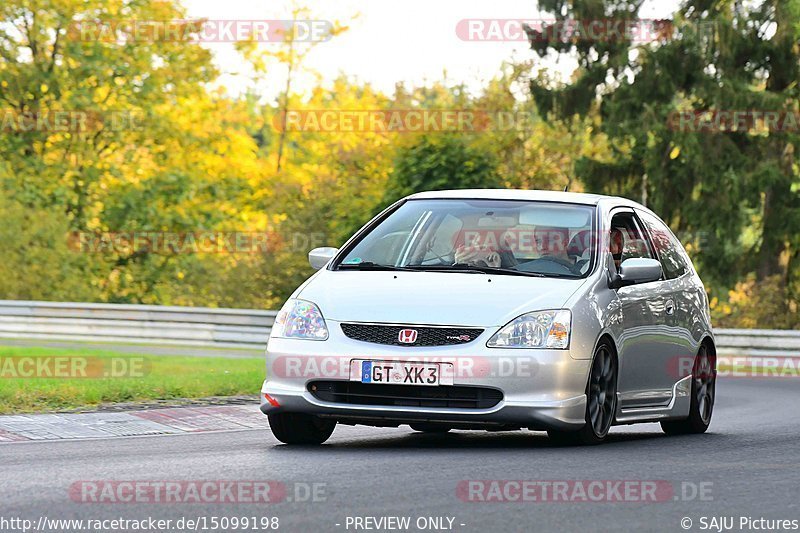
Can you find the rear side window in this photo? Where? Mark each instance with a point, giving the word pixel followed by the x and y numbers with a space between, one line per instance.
pixel 670 252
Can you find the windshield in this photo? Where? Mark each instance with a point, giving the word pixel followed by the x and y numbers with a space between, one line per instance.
pixel 511 237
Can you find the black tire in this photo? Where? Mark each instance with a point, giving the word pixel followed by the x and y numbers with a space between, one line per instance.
pixel 426 427
pixel 601 404
pixel 704 383
pixel 299 428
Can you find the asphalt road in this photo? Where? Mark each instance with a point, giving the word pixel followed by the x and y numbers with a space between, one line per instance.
pixel 747 465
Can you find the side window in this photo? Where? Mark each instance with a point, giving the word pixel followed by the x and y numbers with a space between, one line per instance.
pixel 627 240
pixel 670 251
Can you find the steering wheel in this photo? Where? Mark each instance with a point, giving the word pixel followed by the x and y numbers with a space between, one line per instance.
pixel 448 258
pixel 562 267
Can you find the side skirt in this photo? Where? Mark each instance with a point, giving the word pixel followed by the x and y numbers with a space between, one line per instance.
pixel 678 407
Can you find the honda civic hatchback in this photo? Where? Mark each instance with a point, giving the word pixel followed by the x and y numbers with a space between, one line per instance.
pixel 496 310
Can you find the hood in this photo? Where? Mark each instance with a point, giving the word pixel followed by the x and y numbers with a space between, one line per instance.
pixel 446 298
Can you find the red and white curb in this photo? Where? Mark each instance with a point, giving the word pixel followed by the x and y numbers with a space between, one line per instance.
pixel 170 421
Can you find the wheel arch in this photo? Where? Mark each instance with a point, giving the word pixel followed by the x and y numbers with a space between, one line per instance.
pixel 610 338
pixel 614 351
pixel 709 343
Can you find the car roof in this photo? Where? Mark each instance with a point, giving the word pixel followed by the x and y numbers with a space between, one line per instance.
pixel 521 194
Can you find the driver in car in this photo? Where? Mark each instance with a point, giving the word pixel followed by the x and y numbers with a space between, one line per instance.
pixel 616 246
pixel 486 254
pixel 551 244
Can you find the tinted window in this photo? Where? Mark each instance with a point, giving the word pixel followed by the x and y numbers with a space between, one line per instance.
pixel 670 251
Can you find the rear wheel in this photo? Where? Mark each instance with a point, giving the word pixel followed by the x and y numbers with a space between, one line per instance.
pixel 704 381
pixel 601 395
pixel 300 428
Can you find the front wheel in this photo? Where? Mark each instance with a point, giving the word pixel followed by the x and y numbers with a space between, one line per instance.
pixel 300 428
pixel 601 395
pixel 704 382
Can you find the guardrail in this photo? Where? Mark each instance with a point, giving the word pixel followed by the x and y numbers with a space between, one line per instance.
pixel 243 328
pixel 758 342
pixel 151 324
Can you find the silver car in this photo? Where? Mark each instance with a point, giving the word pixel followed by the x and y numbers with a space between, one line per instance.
pixel 496 310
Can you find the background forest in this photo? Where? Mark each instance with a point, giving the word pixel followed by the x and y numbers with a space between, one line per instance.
pixel 184 155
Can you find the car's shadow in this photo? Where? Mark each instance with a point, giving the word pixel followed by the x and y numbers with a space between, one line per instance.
pixel 464 440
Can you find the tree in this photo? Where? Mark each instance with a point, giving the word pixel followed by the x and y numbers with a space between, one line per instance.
pixel 532 152
pixel 292 54
pixel 737 189
pixel 159 151
pixel 441 161
pixel 50 63
pixel 37 264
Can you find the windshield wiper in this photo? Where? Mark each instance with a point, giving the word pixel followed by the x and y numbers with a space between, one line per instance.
pixel 465 267
pixel 458 267
pixel 369 265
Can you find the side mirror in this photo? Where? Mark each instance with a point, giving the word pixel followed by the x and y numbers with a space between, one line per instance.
pixel 636 270
pixel 319 257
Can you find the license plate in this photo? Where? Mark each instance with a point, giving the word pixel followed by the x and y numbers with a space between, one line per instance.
pixel 401 373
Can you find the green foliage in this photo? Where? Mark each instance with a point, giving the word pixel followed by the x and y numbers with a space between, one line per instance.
pixel 36 263
pixel 736 192
pixel 191 158
pixel 757 305
pixel 439 162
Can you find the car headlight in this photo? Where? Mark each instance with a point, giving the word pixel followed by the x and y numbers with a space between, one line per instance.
pixel 540 329
pixel 299 319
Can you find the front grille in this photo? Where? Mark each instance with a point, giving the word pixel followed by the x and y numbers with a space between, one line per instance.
pixel 426 336
pixel 357 393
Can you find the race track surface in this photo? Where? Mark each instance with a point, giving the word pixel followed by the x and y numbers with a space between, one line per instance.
pixel 745 466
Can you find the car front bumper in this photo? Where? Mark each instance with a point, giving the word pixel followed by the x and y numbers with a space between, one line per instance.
pixel 542 389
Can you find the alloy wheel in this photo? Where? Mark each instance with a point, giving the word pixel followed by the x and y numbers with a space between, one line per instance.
pixel 602 391
pixel 704 377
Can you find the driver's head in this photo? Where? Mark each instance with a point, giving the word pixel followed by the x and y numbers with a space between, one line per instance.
pixel 551 241
pixel 616 245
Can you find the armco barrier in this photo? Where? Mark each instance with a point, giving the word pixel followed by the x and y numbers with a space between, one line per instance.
pixel 243 328
pixel 152 324
pixel 758 342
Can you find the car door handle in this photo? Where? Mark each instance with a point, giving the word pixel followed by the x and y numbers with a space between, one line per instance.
pixel 670 307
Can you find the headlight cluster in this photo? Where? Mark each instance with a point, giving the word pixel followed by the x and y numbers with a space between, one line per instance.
pixel 299 319
pixel 541 329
